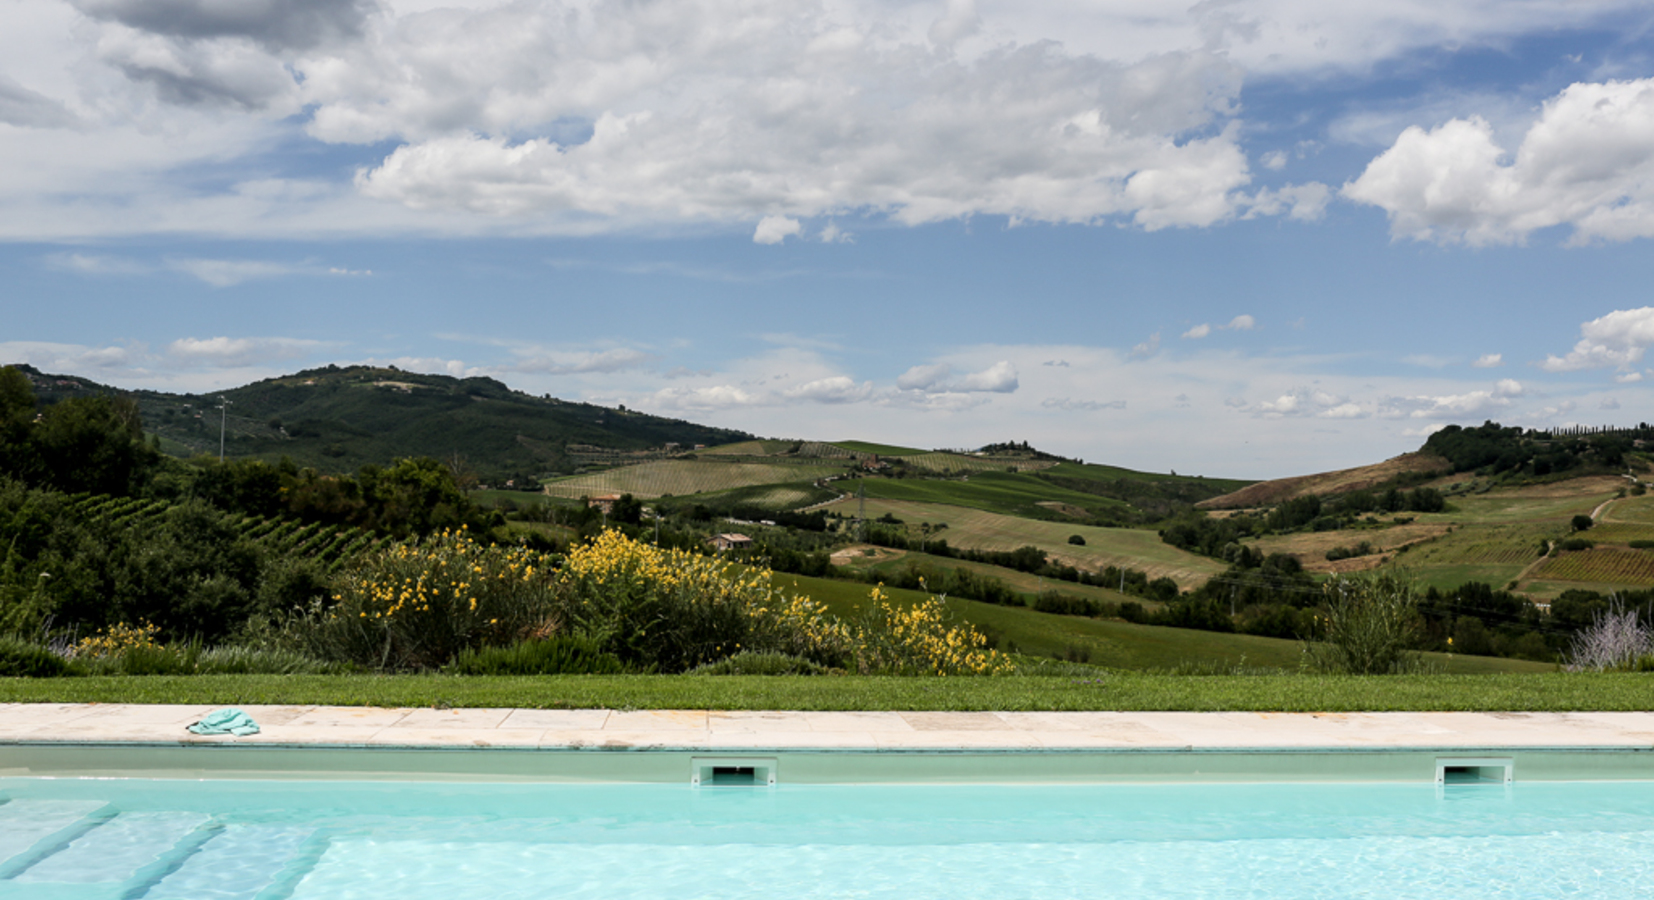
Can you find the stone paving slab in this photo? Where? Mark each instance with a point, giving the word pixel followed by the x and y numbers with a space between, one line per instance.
pixel 873 731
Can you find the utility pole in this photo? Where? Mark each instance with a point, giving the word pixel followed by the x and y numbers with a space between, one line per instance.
pixel 223 419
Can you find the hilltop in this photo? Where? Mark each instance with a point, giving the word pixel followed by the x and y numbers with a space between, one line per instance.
pixel 337 419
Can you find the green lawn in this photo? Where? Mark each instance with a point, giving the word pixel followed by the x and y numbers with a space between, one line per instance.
pixel 1103 691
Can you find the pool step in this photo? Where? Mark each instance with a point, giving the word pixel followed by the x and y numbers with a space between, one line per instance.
pixel 115 850
pixel 29 829
pixel 237 862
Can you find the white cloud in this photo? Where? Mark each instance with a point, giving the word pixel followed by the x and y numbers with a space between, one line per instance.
pixel 938 378
pixel 775 229
pixel 1608 403
pixel 553 362
pixel 1489 361
pixel 1629 377
pixel 1197 332
pixel 1586 163
pixel 71 359
pixel 95 264
pixel 1068 405
pixel 1148 348
pixel 1616 340
pixel 837 389
pixel 230 272
pixel 1242 323
pixel 230 352
pixel 1274 160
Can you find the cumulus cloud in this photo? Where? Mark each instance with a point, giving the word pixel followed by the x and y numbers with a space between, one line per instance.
pixel 72 358
pixel 276 24
pixel 775 229
pixel 1608 403
pixel 1587 163
pixel 1238 323
pixel 1468 405
pixel 1629 377
pixel 938 378
pixel 784 111
pixel 837 389
pixel 1146 349
pixel 1489 361
pixel 239 352
pixel 1616 340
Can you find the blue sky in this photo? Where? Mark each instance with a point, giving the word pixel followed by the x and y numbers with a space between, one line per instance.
pixel 1249 238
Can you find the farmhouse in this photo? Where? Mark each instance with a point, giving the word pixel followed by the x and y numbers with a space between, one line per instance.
pixel 731 541
pixel 605 502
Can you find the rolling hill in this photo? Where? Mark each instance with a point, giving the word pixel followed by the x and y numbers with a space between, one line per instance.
pixel 338 419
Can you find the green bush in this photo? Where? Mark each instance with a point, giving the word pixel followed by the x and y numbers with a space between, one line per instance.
pixel 1577 544
pixel 21 659
pixel 560 655
pixel 1642 545
pixel 750 663
pixel 1366 626
pixel 418 604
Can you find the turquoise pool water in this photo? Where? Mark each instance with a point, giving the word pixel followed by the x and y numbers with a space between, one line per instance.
pixel 84 838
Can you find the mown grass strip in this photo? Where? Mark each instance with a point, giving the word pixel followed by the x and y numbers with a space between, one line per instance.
pixel 1557 692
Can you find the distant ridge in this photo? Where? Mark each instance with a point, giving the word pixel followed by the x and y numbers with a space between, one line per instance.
pixel 1342 481
pixel 339 418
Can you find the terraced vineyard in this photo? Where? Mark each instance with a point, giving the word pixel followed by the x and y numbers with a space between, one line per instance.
pixel 1610 566
pixel 679 477
pixel 956 464
pixel 332 545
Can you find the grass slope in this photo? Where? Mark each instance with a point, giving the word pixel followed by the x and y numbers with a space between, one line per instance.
pixel 997 492
pixel 1112 643
pixel 679 477
pixel 981 530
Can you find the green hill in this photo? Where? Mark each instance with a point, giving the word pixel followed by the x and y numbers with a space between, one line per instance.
pixel 339 419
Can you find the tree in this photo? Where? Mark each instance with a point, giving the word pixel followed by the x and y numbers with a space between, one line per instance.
pixel 1582 522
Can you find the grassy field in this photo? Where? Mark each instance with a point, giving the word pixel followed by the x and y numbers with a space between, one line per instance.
pixel 997 492
pixel 679 477
pixel 1548 692
pixel 981 530
pixel 951 464
pixel 1113 643
pixel 893 561
pixel 1094 472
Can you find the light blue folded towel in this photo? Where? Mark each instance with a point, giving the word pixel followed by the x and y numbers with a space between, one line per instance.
pixel 226 721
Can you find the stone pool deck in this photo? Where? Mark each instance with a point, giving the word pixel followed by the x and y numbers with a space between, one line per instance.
pixel 712 731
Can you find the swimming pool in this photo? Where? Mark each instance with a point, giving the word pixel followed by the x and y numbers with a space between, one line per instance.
pixel 171 839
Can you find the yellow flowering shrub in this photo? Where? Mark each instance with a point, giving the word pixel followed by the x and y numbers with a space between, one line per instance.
pixel 921 639
pixel 418 603
pixel 674 610
pixel 116 640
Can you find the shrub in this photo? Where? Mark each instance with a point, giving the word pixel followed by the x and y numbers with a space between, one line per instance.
pixel 415 605
pixel 1366 625
pixel 1616 639
pixel 675 610
pixel 1076 540
pixel 558 655
pixel 1582 522
pixel 22 659
pixel 749 663
pixel 1577 544
pixel 921 639
pixel 1642 545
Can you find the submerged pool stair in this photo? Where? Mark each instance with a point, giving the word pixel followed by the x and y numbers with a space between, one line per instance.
pixel 84 850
